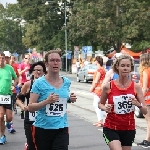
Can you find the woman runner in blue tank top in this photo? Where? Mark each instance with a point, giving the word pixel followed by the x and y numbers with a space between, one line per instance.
pixel 49 96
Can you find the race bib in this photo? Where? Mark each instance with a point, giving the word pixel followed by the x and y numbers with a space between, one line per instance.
pixel 32 115
pixel 122 104
pixel 57 108
pixel 27 75
pixel 5 99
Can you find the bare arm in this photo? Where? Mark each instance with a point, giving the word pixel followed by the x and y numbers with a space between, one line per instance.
pixel 107 77
pixel 24 89
pixel 102 104
pixel 34 105
pixel 98 74
pixel 145 82
pixel 140 99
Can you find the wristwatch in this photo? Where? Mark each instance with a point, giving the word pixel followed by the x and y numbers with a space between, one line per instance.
pixel 139 107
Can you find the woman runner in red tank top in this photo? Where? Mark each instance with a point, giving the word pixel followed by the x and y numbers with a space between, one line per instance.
pixel 122 94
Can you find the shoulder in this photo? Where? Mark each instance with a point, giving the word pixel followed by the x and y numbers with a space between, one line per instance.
pixel 66 80
pixel 106 86
pixel 9 66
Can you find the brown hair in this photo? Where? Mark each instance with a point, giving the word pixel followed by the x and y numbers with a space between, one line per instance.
pixel 144 62
pixel 2 54
pixel 99 59
pixel 117 62
pixel 58 51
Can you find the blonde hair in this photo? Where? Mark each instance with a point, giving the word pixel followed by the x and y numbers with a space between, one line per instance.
pixel 58 51
pixel 144 62
pixel 117 62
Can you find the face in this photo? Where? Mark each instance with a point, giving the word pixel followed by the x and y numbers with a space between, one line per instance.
pixel 26 58
pixel 7 59
pixel 2 60
pixel 38 71
pixel 12 59
pixel 54 62
pixel 124 67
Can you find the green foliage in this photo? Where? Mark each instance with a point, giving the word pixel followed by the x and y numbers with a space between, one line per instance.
pixel 10 30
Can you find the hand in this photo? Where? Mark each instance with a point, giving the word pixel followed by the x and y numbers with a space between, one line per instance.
pixel 91 89
pixel 73 97
pixel 134 101
pixel 52 98
pixel 12 87
pixel 25 108
pixel 108 108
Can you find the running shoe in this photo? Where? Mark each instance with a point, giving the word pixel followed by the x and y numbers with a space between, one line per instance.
pixel 26 146
pixel 3 139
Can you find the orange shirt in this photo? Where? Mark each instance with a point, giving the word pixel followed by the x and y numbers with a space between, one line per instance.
pixel 98 90
pixel 147 94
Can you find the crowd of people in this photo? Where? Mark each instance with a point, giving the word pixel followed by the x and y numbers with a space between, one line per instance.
pixel 42 94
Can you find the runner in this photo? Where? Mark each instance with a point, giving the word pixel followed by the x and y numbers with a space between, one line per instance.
pixel 24 74
pixel 49 97
pixel 122 94
pixel 13 63
pixel 9 125
pixel 96 89
pixel 6 75
pixel 37 70
pixel 145 84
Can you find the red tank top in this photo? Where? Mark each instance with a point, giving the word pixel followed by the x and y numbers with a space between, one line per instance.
pixel 122 113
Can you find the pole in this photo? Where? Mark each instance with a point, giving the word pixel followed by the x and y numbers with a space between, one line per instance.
pixel 65 35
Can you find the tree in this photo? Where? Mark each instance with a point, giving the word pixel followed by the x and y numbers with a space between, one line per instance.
pixel 10 31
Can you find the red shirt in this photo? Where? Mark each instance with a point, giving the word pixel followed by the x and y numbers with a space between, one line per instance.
pixel 25 75
pixel 117 121
pixel 15 67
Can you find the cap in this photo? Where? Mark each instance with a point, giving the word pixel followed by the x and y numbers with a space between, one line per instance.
pixel 7 53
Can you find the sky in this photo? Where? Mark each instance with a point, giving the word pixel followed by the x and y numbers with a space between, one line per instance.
pixel 7 1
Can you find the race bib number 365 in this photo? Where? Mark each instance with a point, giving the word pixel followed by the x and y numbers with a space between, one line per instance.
pixel 5 99
pixel 122 104
pixel 57 108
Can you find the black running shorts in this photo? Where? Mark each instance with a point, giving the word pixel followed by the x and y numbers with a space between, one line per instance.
pixel 126 137
pixel 8 106
pixel 51 139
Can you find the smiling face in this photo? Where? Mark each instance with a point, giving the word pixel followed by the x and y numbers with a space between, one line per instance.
pixel 53 63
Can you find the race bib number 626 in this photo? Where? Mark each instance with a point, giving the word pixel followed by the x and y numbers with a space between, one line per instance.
pixel 57 108
pixel 122 104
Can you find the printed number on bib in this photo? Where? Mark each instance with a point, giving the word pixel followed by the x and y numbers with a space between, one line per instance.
pixel 122 104
pixel 57 108
pixel 5 99
pixel 27 75
pixel 32 115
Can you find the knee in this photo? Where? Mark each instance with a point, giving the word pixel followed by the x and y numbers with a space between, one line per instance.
pixel 9 118
pixel 1 117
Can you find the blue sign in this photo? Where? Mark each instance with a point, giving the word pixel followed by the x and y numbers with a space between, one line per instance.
pixel 69 51
pixel 69 56
pixel 15 54
pixel 29 50
pixel 87 49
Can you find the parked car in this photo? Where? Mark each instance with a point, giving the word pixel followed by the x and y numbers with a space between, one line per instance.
pixel 86 73
pixel 135 75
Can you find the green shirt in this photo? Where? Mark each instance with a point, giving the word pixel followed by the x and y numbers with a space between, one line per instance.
pixel 6 75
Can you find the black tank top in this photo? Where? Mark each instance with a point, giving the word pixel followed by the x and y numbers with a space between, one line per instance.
pixel 27 97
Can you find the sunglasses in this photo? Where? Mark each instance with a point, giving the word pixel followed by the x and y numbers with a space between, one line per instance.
pixel 26 58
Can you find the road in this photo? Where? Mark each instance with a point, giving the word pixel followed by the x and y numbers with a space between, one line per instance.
pixel 83 135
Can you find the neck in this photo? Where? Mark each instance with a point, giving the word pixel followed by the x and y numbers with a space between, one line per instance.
pixel 123 80
pixel 53 76
pixel 2 66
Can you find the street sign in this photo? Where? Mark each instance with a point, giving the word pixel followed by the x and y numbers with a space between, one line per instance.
pixel 87 49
